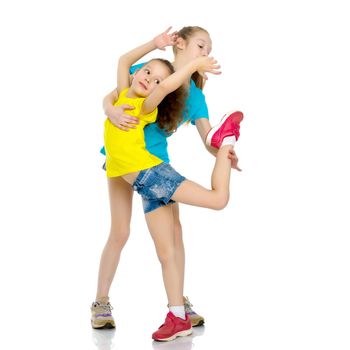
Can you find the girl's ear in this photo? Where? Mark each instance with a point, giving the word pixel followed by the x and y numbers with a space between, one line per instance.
pixel 180 43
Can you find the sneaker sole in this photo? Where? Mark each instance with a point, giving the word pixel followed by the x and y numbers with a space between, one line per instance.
pixel 199 323
pixel 179 334
pixel 215 129
pixel 107 325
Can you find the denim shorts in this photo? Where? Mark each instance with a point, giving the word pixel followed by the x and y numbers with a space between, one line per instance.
pixel 157 185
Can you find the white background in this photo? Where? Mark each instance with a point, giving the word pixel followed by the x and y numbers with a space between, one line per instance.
pixel 269 271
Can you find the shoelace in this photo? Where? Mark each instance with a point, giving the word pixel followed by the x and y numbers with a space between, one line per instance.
pixel 188 305
pixel 107 307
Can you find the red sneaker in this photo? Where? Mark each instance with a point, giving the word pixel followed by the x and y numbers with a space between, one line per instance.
pixel 173 327
pixel 228 126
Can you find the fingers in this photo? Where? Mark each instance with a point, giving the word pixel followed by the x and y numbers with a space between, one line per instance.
pixel 232 155
pixel 210 65
pixel 126 126
pixel 126 122
pixel 214 66
pixel 234 160
pixel 168 30
pixel 121 127
pixel 125 106
pixel 215 72
pixel 128 119
pixel 173 38
pixel 236 167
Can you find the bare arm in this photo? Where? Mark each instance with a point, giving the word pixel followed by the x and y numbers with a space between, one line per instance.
pixel 116 114
pixel 203 128
pixel 108 101
pixel 175 80
pixel 129 58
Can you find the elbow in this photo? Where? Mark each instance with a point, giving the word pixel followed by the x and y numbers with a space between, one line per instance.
pixel 122 60
pixel 163 89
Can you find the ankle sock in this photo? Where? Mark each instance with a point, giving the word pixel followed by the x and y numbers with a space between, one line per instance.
pixel 178 311
pixel 229 140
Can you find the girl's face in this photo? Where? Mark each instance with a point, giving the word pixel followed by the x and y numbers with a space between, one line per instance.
pixel 149 77
pixel 199 44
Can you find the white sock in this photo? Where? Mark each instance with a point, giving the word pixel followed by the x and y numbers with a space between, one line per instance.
pixel 178 311
pixel 229 140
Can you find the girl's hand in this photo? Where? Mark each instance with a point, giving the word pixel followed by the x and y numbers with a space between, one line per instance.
pixel 165 39
pixel 120 119
pixel 205 65
pixel 234 159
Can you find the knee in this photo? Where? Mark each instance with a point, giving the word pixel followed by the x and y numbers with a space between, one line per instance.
pixel 221 201
pixel 177 231
pixel 118 236
pixel 166 256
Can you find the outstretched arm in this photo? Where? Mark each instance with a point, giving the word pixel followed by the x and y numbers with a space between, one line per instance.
pixel 175 80
pixel 128 59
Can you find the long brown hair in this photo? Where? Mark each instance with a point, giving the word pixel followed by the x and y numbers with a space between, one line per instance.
pixel 170 110
pixel 186 33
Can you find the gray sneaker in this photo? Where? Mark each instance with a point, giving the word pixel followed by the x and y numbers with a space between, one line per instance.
pixel 101 315
pixel 196 319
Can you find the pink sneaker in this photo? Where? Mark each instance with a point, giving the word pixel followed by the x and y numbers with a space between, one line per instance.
pixel 228 126
pixel 173 327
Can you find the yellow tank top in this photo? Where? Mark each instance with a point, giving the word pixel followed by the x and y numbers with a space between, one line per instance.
pixel 126 150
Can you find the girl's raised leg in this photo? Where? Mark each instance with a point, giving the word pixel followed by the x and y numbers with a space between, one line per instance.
pixel 192 193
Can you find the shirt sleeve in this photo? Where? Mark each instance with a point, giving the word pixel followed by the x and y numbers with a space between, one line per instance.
pixel 135 67
pixel 150 117
pixel 199 107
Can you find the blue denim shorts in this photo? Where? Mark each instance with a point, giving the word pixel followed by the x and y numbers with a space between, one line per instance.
pixel 157 185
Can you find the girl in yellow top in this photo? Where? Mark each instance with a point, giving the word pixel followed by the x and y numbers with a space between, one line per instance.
pixel 126 151
pixel 158 183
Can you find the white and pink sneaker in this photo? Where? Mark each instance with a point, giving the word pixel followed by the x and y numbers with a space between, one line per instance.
pixel 228 126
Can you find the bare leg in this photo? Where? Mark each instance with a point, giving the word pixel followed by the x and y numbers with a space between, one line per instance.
pixel 120 196
pixel 191 193
pixel 161 226
pixel 179 244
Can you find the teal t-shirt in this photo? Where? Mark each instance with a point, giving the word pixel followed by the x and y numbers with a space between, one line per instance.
pixel 156 138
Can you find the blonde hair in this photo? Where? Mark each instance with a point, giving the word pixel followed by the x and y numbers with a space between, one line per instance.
pixel 186 33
